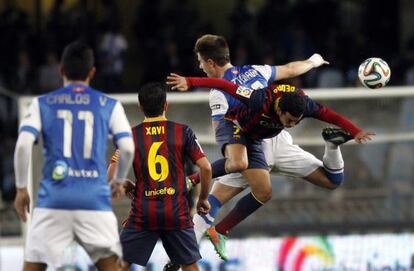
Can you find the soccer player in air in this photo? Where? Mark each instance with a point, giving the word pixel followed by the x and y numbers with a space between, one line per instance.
pixel 263 114
pixel 159 207
pixel 281 154
pixel 74 197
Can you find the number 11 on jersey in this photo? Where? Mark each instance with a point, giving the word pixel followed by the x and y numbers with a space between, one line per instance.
pixel 67 117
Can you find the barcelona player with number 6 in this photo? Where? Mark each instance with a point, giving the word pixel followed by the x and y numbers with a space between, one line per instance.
pixel 159 207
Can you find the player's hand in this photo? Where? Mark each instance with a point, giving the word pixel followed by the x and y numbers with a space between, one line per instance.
pixel 363 137
pixel 22 203
pixel 203 206
pixel 317 60
pixel 177 82
pixel 129 187
pixel 117 190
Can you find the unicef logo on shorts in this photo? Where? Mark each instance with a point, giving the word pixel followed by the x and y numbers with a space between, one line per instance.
pixel 60 170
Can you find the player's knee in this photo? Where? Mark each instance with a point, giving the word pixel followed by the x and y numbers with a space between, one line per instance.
pixel 236 165
pixel 329 183
pixel 264 196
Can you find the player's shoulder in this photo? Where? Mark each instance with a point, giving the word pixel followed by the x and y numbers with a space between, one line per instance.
pixel 180 126
pixel 177 124
pixel 100 93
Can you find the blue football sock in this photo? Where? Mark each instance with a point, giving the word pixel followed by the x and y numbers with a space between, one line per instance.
pixel 218 168
pixel 336 176
pixel 215 207
pixel 244 207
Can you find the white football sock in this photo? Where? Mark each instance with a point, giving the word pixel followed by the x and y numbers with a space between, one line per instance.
pixel 200 226
pixel 332 157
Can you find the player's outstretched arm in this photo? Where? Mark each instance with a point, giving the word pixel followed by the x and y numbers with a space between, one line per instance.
pixel 184 83
pixel 203 206
pixel 330 116
pixel 177 82
pixel 297 68
pixel 363 137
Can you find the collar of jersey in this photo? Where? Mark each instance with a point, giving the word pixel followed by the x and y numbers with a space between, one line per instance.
pixel 229 75
pixel 155 119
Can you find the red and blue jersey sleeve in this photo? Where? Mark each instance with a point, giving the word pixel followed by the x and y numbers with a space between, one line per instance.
pixel 326 114
pixel 192 148
pixel 253 98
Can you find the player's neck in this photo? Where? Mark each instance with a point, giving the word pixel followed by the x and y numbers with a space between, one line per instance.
pixel 75 82
pixel 222 70
pixel 158 118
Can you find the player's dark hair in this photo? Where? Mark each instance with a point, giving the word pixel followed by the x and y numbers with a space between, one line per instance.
pixel 77 60
pixel 213 47
pixel 152 97
pixel 292 102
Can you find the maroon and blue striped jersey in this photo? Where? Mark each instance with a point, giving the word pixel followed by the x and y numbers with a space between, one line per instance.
pixel 257 116
pixel 161 149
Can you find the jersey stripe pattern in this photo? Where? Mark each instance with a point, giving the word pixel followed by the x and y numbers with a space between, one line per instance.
pixel 257 117
pixel 74 122
pixel 159 201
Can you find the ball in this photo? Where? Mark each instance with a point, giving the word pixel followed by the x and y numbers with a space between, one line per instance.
pixel 374 73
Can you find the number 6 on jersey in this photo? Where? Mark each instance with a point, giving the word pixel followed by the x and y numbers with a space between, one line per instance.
pixel 154 159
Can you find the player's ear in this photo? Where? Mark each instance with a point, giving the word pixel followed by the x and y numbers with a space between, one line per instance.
pixel 91 73
pixel 211 62
pixel 165 107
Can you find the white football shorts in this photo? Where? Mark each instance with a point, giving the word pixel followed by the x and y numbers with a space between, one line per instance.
pixel 283 157
pixel 52 230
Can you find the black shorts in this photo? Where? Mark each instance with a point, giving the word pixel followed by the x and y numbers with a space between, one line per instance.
pixel 180 245
pixel 228 133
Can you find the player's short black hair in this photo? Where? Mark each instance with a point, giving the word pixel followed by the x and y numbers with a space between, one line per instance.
pixel 213 47
pixel 292 102
pixel 152 97
pixel 77 60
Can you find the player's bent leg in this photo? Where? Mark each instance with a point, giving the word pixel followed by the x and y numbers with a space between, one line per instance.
pixel 260 184
pixel 236 155
pixel 291 160
pixel 219 195
pixel 29 266
pixel 259 181
pixel 319 178
pixel 333 162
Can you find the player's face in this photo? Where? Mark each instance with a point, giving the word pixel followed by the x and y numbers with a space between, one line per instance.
pixel 207 66
pixel 288 120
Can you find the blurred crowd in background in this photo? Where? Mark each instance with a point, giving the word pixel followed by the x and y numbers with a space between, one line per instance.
pixel 160 36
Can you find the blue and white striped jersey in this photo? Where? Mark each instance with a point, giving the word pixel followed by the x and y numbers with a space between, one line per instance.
pixel 250 76
pixel 74 123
